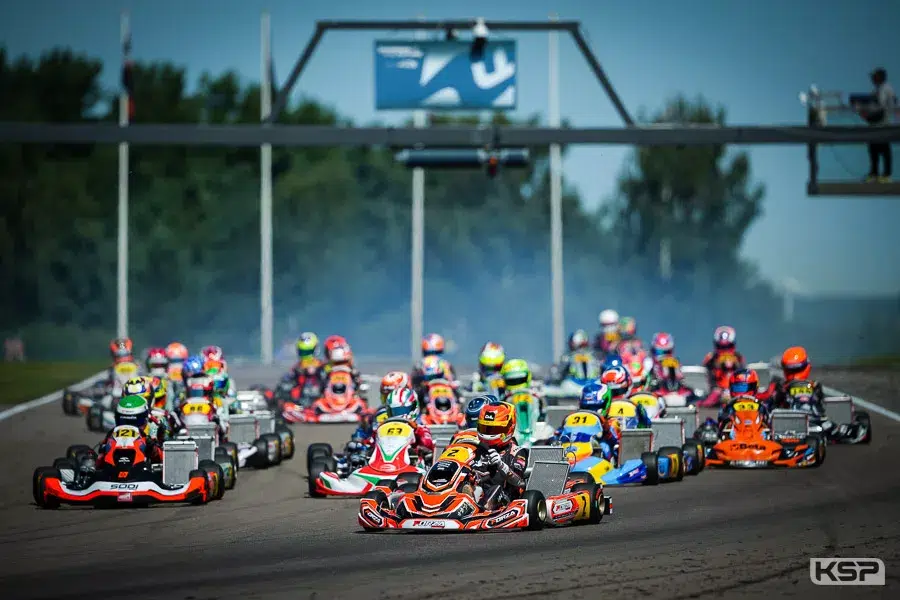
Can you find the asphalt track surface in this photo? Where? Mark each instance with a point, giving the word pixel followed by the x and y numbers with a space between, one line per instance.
pixel 722 534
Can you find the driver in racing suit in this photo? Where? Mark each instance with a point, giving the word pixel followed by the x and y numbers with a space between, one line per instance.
pixel 795 366
pixel 578 342
pixel 499 462
pixel 490 361
pixel 134 410
pixel 608 338
pixel 723 346
pixel 595 397
pixel 340 356
pixel 743 386
pixel 308 363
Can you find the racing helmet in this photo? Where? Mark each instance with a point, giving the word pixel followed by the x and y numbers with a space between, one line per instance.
pixel 473 408
pixel 595 397
pixel 516 375
pixel 578 340
pixel 612 360
pixel 432 344
pixel 392 381
pixel 497 424
pixel 491 358
pixel 307 344
pixel 341 355
pixel 132 410
pixel 608 318
pixel 663 344
pixel 432 369
pixel 160 393
pixel 176 352
pixel 628 328
pixel 618 380
pixel 193 367
pixel 332 342
pixel 121 350
pixel 795 364
pixel 157 359
pixel 139 386
pixel 744 382
pixel 403 402
pixel 212 353
pixel 724 338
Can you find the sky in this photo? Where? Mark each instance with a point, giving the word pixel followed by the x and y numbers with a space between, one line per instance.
pixel 751 57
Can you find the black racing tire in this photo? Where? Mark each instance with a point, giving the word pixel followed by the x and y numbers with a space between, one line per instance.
pixel 37 487
pixel 94 420
pixel 819 445
pixel 651 461
pixel 287 441
pixel 201 473
pixel 409 478
pixel 537 509
pixel 388 483
pixel 674 454
pixel 863 419
pixel 69 402
pixel 317 469
pixel 317 450
pixel 408 487
pixel 381 500
pixel 271 437
pixel 580 478
pixel 233 451
pixel 596 508
pixel 223 458
pixel 217 482
pixel 692 450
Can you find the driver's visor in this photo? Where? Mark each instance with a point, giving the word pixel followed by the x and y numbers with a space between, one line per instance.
pixel 516 379
pixel 400 411
pixel 493 429
pixel 740 387
pixel 795 367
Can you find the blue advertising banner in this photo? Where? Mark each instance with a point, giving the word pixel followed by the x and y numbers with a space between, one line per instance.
pixel 445 75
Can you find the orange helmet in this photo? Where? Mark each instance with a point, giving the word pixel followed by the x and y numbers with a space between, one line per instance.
pixel 743 383
pixel 177 351
pixel 392 381
pixel 795 363
pixel 432 344
pixel 497 424
pixel 122 350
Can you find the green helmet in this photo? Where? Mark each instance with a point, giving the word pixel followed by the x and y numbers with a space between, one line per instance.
pixel 132 410
pixel 516 374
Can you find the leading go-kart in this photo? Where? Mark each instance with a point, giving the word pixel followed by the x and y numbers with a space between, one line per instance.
pixel 454 497
pixel 391 457
pixel 126 476
pixel 340 402
pixel 747 441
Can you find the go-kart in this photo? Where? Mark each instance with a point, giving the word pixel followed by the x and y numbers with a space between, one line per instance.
pixel 453 496
pixel 836 419
pixel 197 424
pixel 747 441
pixel 340 402
pixel 262 441
pixel 441 405
pixel 653 404
pixel 391 456
pixel 125 476
pixel 99 415
pixel 530 426
pixel 632 461
pixel 77 402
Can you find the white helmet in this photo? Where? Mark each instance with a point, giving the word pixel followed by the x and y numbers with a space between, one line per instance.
pixel 608 318
pixel 403 402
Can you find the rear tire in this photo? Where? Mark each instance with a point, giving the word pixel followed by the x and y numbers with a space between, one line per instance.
pixel 692 450
pixel 317 450
pixel 215 476
pixel 317 469
pixel 223 458
pixel 202 474
pixel 674 455
pixel 287 441
pixel 819 444
pixel 651 461
pixel 596 508
pixel 275 457
pixel 863 419
pixel 69 402
pixel 537 509
pixel 232 449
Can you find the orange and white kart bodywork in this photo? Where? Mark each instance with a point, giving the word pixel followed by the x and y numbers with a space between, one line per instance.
pixel 445 500
pixel 749 443
pixel 390 459
pixel 340 402
pixel 123 478
pixel 441 392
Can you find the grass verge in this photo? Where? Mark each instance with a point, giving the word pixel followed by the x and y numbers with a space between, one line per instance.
pixel 21 382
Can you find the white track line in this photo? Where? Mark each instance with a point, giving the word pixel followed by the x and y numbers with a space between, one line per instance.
pixel 51 397
pixel 875 408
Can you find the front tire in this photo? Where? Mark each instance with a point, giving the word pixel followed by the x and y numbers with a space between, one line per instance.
pixel 596 504
pixel 537 509
pixel 651 462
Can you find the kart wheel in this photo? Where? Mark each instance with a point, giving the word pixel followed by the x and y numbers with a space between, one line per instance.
pixel 274 457
pixel 38 482
pixel 409 478
pixel 651 461
pixel 381 500
pixel 596 507
pixel 692 450
pixel 675 457
pixel 388 483
pixel 67 469
pixel 819 445
pixel 287 441
pixel 68 402
pixel 317 469
pixel 215 476
pixel 537 509
pixel 94 419
pixel 862 419
pixel 224 460
pixel 232 449
pixel 317 450
pixel 208 496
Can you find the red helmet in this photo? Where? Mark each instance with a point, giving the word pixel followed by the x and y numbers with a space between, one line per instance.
pixel 795 364
pixel 332 342
pixel 432 344
pixel 724 338
pixel 212 353
pixel 663 344
pixel 744 382
pixel 157 358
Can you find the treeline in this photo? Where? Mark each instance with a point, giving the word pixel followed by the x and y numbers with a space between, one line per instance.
pixel 342 232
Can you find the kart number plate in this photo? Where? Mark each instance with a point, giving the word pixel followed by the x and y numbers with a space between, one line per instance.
pixel 582 420
pixel 622 409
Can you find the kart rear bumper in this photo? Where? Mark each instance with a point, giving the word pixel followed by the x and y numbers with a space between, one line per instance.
pixel 123 494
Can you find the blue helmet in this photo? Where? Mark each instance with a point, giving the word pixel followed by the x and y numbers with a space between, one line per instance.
pixel 595 397
pixel 611 361
pixel 193 367
pixel 473 409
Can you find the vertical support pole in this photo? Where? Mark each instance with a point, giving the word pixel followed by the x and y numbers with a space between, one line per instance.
pixel 266 324
pixel 417 292
pixel 665 242
pixel 122 255
pixel 556 232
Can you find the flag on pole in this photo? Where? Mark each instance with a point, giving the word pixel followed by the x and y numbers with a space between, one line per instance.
pixel 128 74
